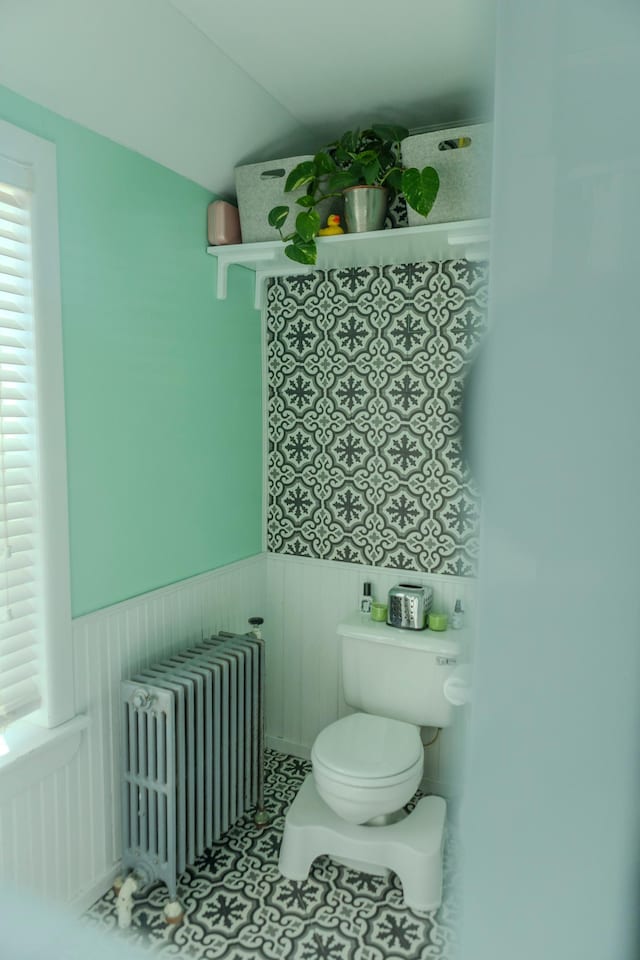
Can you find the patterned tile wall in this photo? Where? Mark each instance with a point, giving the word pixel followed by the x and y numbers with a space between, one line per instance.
pixel 366 368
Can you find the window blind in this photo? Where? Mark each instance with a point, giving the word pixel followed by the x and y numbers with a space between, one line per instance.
pixel 19 580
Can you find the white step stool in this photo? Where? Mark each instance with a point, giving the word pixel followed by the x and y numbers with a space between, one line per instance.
pixel 412 847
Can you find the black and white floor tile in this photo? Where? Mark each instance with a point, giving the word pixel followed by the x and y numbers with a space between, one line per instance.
pixel 238 906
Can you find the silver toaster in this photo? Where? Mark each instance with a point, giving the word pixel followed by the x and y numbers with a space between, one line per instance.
pixel 408 606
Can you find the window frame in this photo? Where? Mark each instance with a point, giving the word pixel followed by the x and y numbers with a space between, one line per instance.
pixel 17 146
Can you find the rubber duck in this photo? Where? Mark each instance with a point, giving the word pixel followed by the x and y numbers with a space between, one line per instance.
pixel 332 228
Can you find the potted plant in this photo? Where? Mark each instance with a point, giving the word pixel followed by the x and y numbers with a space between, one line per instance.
pixel 360 162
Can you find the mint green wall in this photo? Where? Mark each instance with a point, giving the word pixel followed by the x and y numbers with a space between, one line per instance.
pixel 162 381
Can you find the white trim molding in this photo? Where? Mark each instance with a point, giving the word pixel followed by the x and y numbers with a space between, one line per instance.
pixel 34 161
pixel 37 753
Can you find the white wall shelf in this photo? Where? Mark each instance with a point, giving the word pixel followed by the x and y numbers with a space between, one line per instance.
pixel 466 239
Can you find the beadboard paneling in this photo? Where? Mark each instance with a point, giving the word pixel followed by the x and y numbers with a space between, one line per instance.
pixel 305 601
pixel 61 836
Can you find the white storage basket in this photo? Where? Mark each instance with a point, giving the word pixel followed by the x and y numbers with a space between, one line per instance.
pixel 465 171
pixel 260 187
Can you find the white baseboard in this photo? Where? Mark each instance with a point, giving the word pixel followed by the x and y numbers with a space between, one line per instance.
pixel 86 899
pixel 440 788
pixel 287 746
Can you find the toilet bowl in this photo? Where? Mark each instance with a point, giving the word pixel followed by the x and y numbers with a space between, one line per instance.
pixel 365 766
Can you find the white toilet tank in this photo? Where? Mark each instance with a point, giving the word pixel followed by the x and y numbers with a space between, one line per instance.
pixel 398 673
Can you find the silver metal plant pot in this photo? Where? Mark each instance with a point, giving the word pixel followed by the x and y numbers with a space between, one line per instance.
pixel 365 208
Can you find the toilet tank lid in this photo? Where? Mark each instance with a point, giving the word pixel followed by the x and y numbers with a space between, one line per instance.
pixel 448 642
pixel 368 747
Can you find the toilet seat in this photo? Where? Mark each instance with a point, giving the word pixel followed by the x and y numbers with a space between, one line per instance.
pixel 366 766
pixel 368 751
pixel 370 783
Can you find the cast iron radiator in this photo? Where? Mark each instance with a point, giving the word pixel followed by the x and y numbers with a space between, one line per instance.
pixel 192 754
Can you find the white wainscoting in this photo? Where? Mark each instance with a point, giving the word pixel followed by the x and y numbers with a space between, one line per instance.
pixel 305 601
pixel 60 837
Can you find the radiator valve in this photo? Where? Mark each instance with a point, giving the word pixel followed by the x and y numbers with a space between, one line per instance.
pixel 141 699
pixel 255 623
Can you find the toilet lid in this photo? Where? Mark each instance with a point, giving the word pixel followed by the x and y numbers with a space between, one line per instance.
pixel 368 747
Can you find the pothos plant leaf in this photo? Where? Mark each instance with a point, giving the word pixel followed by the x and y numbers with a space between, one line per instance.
pixel 387 131
pixel 371 170
pixel 388 156
pixel 349 141
pixel 305 252
pixel 324 163
pixel 344 178
pixel 394 179
pixel 420 188
pixel 308 224
pixel 277 217
pixel 304 173
pixel 341 154
pixel 308 200
pixel 366 156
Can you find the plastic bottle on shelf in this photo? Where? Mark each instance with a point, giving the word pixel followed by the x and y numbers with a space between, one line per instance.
pixel 365 599
pixel 457 617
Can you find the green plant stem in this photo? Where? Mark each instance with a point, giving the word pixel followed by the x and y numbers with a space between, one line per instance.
pixel 389 171
pixel 326 196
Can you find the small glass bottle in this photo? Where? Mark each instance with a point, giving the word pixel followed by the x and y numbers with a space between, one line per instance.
pixel 365 599
pixel 457 617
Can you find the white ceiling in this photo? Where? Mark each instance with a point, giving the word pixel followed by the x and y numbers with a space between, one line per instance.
pixel 343 63
pixel 202 85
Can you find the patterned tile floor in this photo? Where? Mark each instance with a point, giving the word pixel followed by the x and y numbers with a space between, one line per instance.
pixel 238 906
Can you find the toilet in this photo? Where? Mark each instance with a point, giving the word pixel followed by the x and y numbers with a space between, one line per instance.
pixel 367 765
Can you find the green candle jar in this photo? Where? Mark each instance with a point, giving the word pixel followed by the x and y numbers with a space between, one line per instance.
pixel 438 621
pixel 379 611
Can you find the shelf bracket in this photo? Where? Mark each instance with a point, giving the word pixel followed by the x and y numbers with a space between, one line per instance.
pixel 242 258
pixel 470 246
pixel 221 280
